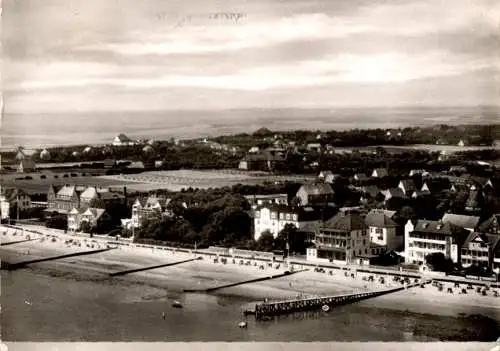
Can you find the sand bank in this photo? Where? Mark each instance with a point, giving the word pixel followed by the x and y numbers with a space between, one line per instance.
pixel 206 274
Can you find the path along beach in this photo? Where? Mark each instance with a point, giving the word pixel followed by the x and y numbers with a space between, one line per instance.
pixel 203 274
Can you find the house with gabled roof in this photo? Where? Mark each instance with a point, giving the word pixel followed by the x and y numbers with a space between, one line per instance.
pixel 435 186
pixel 470 223
pixel 315 193
pixel 480 249
pixel 361 177
pixel 371 190
pixel 148 207
pixel 383 231
pixel 491 225
pixel 16 197
pixel 94 217
pixel 342 239
pixel 393 193
pixel 380 173
pixel 424 237
pixel 407 186
pixel 122 140
pixel 274 217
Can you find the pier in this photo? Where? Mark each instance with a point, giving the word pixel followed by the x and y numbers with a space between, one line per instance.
pixel 12 266
pixel 308 304
pixel 287 273
pixel 151 267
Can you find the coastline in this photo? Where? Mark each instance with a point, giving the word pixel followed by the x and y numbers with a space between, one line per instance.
pixel 205 273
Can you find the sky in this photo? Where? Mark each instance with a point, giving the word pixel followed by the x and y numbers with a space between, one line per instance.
pixel 139 55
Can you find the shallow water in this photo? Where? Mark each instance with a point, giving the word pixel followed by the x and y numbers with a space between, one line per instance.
pixel 40 307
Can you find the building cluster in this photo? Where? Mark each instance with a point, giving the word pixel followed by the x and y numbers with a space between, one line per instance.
pixel 358 234
pixel 84 204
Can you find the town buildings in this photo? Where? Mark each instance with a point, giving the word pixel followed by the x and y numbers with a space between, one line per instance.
pixel 274 217
pixel 122 140
pixel 93 218
pixel 425 237
pixel 383 231
pixel 144 208
pixel 342 239
pixel 316 193
pixel 258 200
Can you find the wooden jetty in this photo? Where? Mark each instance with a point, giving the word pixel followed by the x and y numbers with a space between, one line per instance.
pixel 287 273
pixel 307 304
pixel 151 267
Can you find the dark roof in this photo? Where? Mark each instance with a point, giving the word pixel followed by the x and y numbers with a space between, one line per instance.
pixel 379 219
pixel 438 227
pixel 371 190
pixel 382 172
pixel 437 185
pixel 305 213
pixel 123 138
pixel 361 176
pixel 489 225
pixel 408 184
pixel 346 223
pixel 492 239
pixel 394 192
pixel 461 220
pixel 317 189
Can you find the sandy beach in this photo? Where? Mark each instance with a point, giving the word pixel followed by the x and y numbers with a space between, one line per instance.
pixel 202 274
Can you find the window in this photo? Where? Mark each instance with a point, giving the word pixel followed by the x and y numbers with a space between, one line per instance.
pixel 282 216
pixel 295 217
pixel 379 230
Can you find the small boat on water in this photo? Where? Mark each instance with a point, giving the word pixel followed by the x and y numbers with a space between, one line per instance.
pixel 177 304
pixel 242 324
pixel 325 308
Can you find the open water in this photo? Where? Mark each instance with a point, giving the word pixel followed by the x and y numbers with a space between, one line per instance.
pixel 37 306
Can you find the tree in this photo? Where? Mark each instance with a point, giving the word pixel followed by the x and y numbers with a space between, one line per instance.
pixel 296 240
pixel 439 262
pixel 86 227
pixel 266 241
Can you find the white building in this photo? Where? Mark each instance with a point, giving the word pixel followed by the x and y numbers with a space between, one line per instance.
pixel 274 217
pixel 123 140
pixel 259 200
pixel 383 231
pixel 425 237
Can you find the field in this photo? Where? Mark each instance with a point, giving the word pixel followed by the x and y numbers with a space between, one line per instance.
pixel 41 185
pixel 176 180
pixel 146 181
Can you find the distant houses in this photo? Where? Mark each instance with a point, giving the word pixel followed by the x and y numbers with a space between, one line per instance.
pixel 380 173
pixel 315 194
pixel 122 140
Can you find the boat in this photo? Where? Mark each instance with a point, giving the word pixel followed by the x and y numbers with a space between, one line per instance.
pixel 177 304
pixel 242 324
pixel 325 308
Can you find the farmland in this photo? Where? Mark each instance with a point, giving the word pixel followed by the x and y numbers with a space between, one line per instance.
pixel 146 181
pixel 176 180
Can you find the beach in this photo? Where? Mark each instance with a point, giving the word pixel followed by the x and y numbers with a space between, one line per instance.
pixel 204 273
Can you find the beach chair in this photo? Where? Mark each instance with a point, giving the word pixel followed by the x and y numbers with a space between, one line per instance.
pixel 450 290
pixel 464 291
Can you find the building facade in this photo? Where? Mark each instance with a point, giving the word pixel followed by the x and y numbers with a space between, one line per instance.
pixel 342 239
pixel 383 231
pixel 426 237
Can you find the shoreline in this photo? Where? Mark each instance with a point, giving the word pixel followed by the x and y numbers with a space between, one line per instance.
pixel 204 274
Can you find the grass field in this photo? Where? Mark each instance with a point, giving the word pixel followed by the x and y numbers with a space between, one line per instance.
pixel 146 181
pixel 39 185
pixel 176 180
